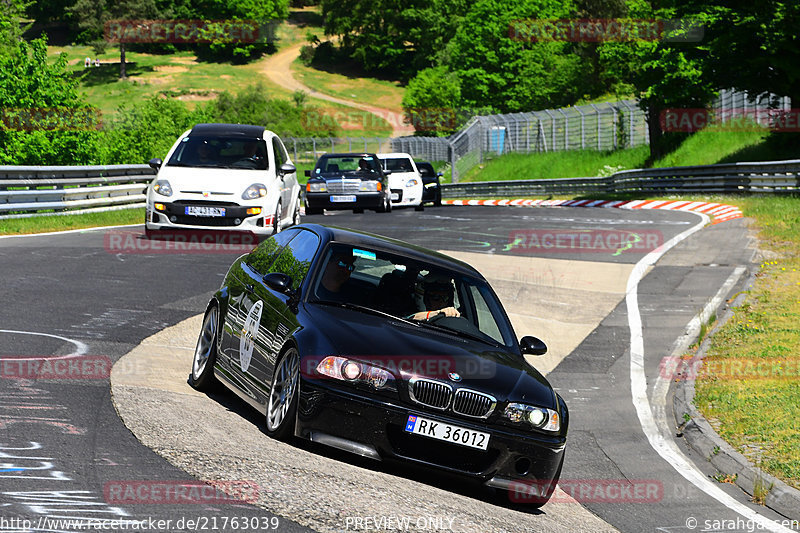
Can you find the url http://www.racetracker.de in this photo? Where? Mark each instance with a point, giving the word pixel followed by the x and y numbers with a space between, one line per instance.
pixel 196 523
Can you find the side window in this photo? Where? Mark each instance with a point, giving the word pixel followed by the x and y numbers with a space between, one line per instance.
pixel 280 153
pixel 486 322
pixel 262 257
pixel 295 259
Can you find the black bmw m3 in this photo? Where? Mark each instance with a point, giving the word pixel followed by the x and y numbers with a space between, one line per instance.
pixel 384 349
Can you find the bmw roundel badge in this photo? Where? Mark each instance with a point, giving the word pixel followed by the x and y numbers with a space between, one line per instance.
pixel 454 376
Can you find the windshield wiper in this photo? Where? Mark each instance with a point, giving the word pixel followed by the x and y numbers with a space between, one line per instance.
pixel 356 307
pixel 458 333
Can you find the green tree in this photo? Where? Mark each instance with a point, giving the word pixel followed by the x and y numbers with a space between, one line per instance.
pixel 394 36
pixel 44 120
pixel 752 46
pixel 506 71
pixel 93 15
pixel 432 101
pixel 264 12
pixel 11 27
pixel 662 74
pixel 147 129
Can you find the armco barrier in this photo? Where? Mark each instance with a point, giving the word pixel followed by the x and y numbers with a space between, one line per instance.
pixel 26 191
pixel 771 176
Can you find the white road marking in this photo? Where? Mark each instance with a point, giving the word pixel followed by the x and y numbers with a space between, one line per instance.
pixel 80 348
pixel 663 443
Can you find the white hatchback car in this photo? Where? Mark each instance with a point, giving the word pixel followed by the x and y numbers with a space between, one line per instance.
pixel 405 181
pixel 224 177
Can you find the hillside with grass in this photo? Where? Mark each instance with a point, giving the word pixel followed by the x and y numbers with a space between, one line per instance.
pixel 706 147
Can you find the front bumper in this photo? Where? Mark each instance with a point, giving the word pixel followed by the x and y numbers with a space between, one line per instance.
pixel 362 200
pixel 375 423
pixel 174 217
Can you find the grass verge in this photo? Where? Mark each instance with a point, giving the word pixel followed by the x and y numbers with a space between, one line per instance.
pixel 753 397
pixel 46 223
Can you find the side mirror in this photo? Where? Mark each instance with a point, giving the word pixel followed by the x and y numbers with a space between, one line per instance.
pixel 308 173
pixel 155 163
pixel 440 174
pixel 532 346
pixel 287 168
pixel 278 281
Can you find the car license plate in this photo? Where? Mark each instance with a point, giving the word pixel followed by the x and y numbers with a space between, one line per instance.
pixel 204 211
pixel 348 198
pixel 395 196
pixel 447 432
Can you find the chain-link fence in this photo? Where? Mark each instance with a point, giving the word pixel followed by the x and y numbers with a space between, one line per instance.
pixel 604 126
pixel 306 150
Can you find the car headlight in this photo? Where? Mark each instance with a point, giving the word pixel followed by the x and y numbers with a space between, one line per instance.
pixel 537 417
pixel 413 182
pixel 345 369
pixel 256 190
pixel 370 186
pixel 317 186
pixel 163 188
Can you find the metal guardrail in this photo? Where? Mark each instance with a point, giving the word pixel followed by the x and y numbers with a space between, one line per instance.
pixel 26 191
pixel 772 176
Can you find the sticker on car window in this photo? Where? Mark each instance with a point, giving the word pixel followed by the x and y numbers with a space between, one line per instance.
pixel 364 253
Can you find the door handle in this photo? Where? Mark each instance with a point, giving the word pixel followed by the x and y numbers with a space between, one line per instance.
pixel 249 287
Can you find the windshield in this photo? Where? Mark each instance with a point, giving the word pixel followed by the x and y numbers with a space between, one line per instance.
pixel 346 164
pixel 413 290
pixel 220 152
pixel 398 164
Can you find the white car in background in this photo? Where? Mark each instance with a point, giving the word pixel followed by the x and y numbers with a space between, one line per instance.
pixel 405 181
pixel 224 177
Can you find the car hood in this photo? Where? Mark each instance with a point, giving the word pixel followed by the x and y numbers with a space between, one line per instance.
pixel 214 180
pixel 411 350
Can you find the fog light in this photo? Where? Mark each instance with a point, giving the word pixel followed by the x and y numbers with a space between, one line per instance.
pixel 237 221
pixel 254 211
pixel 173 218
pixel 160 207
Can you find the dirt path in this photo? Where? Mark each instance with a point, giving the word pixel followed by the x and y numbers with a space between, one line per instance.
pixel 278 69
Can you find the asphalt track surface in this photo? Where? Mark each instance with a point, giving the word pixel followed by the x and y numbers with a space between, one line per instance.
pixel 64 448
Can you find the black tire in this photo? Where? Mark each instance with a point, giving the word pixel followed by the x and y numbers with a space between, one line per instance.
pixel 296 214
pixel 281 410
pixel 438 201
pixel 419 207
pixel 277 223
pixel 313 210
pixel 205 352
pixel 358 210
pixel 386 207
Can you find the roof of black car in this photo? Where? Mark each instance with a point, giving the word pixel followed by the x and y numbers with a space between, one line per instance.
pixel 349 154
pixel 379 242
pixel 228 130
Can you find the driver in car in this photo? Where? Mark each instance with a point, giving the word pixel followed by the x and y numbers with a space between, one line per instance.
pixel 438 298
